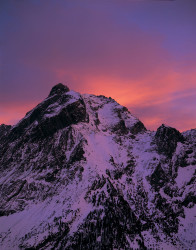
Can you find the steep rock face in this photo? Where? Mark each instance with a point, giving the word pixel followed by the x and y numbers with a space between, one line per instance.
pixel 80 172
pixel 138 128
pixel 159 178
pixel 167 139
pixel 61 109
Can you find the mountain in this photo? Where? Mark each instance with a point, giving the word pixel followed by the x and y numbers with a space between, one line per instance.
pixel 81 172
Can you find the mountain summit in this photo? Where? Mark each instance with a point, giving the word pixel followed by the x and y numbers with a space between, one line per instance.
pixel 81 172
pixel 59 89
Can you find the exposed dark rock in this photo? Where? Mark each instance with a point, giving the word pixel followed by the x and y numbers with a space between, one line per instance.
pixel 72 114
pixel 17 190
pixel 120 128
pixel 159 178
pixel 189 151
pixel 190 136
pixel 77 154
pixel 6 212
pixel 181 160
pixel 106 228
pixel 4 130
pixel 167 139
pixel 190 198
pixel 193 179
pixel 97 121
pixel 40 124
pixel 51 177
pixel 59 89
pixel 170 225
pixel 53 239
pixel 130 167
pixel 138 128
pixel 169 191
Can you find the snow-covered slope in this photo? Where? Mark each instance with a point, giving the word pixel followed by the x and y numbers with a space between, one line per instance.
pixel 81 172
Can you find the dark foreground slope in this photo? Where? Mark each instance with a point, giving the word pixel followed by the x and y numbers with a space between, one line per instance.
pixel 80 172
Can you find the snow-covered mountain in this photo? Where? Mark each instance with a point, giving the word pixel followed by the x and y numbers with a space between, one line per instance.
pixel 81 172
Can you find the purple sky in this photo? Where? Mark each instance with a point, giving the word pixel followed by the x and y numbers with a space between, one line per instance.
pixel 141 53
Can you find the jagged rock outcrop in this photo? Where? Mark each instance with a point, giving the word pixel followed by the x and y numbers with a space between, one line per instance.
pixel 81 172
pixel 138 128
pixel 167 139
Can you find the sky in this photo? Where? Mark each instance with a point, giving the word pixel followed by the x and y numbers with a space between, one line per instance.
pixel 140 53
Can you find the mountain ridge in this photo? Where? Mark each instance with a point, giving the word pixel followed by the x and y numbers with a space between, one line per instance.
pixel 81 172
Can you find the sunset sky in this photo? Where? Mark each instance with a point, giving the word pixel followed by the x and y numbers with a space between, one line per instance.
pixel 141 53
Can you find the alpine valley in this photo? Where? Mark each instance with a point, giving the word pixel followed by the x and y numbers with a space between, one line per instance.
pixel 79 171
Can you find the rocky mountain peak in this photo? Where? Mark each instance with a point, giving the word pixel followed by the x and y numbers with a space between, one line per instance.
pixel 58 89
pixel 61 109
